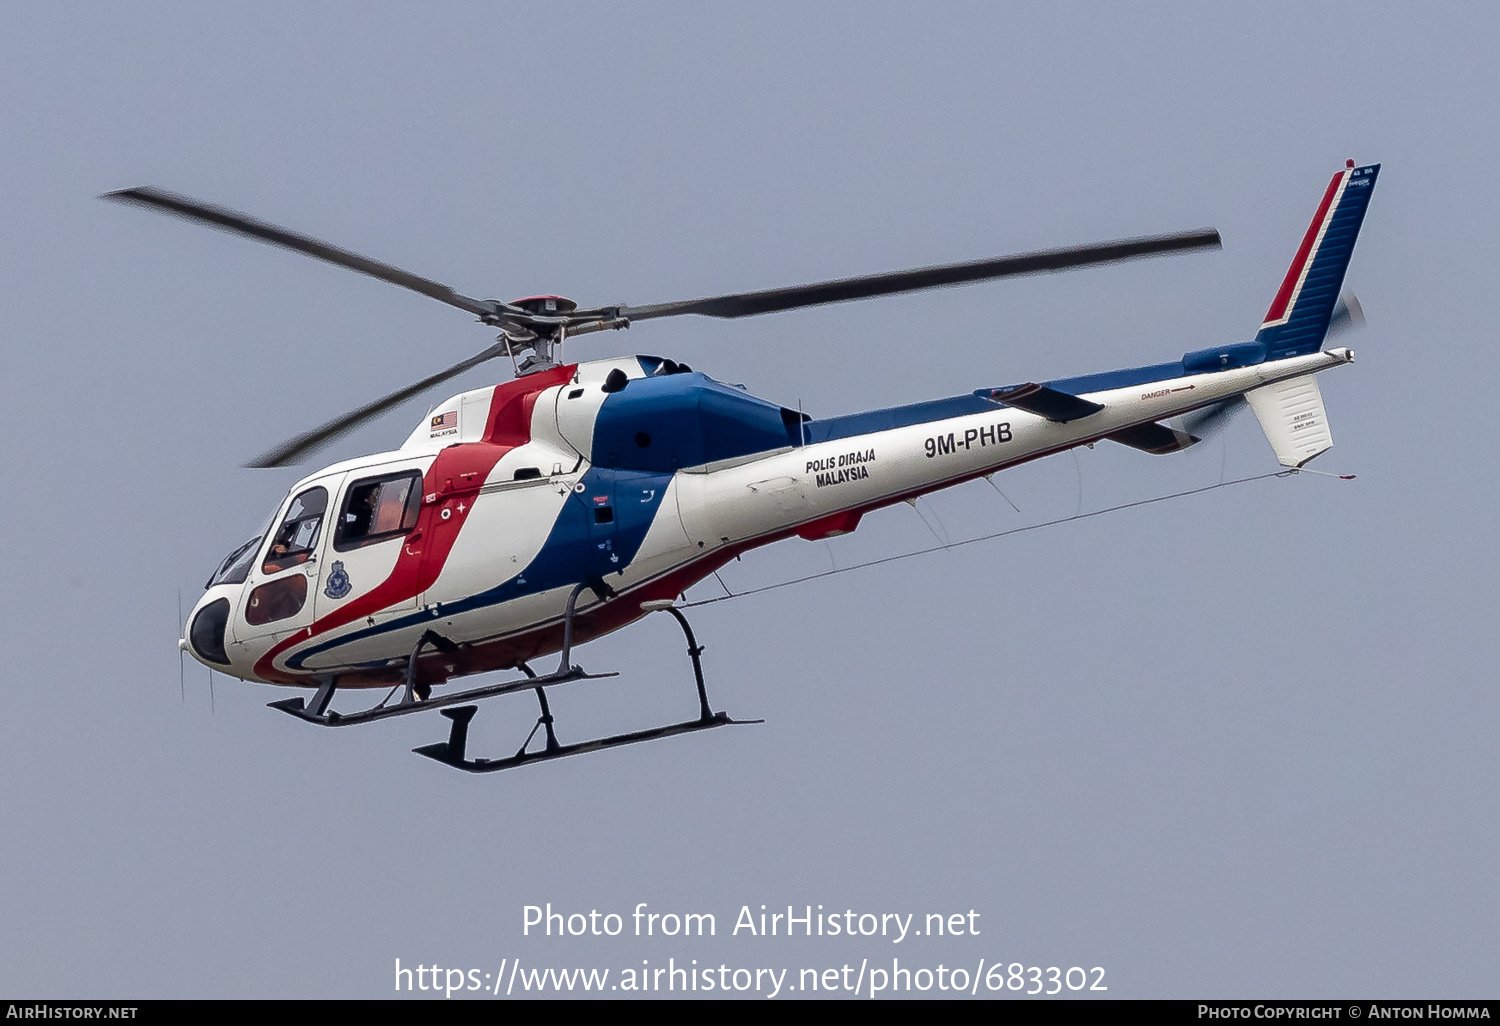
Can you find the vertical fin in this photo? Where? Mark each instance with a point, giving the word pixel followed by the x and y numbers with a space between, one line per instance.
pixel 1299 315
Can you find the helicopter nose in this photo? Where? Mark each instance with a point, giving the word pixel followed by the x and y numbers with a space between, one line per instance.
pixel 205 634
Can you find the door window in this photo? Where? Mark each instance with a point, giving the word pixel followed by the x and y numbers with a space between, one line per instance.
pixel 378 508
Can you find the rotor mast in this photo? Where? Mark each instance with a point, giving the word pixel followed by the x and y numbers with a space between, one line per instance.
pixel 543 324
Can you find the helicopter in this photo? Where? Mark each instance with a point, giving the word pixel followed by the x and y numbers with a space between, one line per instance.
pixel 525 518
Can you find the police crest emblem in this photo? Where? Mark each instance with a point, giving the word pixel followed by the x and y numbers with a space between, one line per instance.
pixel 338 582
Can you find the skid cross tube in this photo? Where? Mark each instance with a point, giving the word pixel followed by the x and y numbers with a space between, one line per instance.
pixel 694 651
pixel 545 720
pixel 601 591
pixel 420 690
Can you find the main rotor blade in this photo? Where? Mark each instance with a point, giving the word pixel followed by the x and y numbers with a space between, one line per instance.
pixel 745 304
pixel 294 449
pixel 243 224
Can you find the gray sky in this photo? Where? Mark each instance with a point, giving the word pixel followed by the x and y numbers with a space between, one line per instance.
pixel 1240 744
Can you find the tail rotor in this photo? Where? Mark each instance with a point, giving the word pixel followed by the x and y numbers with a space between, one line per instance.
pixel 1348 315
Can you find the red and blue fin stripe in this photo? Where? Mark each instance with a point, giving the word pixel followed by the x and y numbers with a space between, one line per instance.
pixel 1298 318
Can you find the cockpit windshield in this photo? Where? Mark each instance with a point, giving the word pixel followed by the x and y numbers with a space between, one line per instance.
pixel 236 565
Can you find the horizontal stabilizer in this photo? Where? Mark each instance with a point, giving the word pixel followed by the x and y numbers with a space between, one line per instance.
pixel 1292 416
pixel 1045 402
pixel 1154 438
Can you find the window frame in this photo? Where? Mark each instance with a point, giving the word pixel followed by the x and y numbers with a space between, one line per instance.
pixel 301 555
pixel 411 511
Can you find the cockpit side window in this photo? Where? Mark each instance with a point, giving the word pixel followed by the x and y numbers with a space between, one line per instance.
pixel 297 537
pixel 378 508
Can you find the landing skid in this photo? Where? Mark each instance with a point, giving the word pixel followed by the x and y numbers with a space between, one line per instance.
pixel 452 752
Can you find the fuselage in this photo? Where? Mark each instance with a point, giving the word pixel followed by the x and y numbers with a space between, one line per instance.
pixel 634 475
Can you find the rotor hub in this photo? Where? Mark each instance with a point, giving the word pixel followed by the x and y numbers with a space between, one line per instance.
pixel 545 305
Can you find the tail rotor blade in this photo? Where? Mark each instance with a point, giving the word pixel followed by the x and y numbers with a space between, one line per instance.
pixel 1347 315
pixel 1212 419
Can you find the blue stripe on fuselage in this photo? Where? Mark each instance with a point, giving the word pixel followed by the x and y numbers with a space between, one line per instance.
pixel 1117 379
pixel 569 555
pixel 979 402
pixel 895 417
pixel 1239 354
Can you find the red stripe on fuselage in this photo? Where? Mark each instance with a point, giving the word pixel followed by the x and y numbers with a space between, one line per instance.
pixel 1294 274
pixel 459 470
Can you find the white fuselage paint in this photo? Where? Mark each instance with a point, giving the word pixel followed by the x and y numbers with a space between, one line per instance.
pixel 766 497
